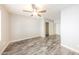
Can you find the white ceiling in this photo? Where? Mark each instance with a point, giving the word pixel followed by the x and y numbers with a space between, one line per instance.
pixel 51 8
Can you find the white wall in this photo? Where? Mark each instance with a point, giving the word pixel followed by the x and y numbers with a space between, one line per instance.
pixel 57 28
pixel 5 29
pixel 70 27
pixel 51 28
pixel 23 27
pixel 0 24
pixel 42 27
pixel 57 23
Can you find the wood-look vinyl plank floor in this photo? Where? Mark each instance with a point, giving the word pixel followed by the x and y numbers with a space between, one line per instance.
pixel 38 46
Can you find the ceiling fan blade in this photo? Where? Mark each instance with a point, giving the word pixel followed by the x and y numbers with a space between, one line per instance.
pixel 39 15
pixel 42 11
pixel 27 11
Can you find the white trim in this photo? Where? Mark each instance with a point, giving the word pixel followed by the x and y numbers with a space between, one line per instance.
pixel 5 46
pixel 0 24
pixel 24 39
pixel 15 41
pixel 70 48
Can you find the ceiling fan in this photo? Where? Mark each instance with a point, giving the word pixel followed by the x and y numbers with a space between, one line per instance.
pixel 35 10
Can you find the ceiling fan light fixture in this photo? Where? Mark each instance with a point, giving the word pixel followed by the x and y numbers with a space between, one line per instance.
pixel 36 11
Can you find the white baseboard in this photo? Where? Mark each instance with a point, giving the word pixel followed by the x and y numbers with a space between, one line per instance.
pixel 72 49
pixel 4 47
pixel 6 44
pixel 25 38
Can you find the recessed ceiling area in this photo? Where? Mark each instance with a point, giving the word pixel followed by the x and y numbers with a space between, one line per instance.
pixel 51 9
